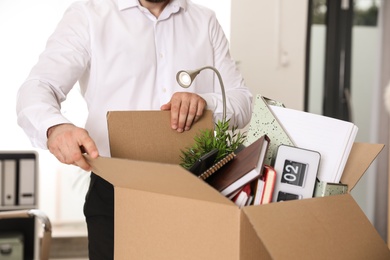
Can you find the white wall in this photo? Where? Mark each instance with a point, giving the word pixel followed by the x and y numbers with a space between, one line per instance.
pixel 25 27
pixel 268 39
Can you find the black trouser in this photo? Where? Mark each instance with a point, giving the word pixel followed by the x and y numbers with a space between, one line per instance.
pixel 99 214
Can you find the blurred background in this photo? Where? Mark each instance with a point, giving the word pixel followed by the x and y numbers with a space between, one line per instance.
pixel 327 57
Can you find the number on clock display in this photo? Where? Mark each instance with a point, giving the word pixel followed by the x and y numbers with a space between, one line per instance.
pixel 294 173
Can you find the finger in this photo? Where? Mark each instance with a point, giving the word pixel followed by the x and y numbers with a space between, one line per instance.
pixel 89 147
pixel 184 116
pixel 166 106
pixel 175 113
pixel 196 112
pixel 82 163
pixel 192 111
pixel 199 112
pixel 75 156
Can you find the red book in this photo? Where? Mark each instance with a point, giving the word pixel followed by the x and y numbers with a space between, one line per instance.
pixel 242 197
pixel 244 168
pixel 269 178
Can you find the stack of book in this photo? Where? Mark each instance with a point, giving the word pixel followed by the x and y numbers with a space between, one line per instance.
pixel 257 192
pixel 246 179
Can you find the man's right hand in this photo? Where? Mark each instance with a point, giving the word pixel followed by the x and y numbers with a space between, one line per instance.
pixel 68 142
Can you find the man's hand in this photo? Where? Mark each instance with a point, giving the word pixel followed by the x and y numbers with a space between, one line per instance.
pixel 186 108
pixel 67 143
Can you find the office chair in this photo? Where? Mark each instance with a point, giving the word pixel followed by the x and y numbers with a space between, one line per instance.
pixel 46 225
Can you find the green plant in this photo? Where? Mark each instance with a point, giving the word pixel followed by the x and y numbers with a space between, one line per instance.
pixel 225 140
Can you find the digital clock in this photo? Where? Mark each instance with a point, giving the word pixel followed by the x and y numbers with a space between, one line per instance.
pixel 296 170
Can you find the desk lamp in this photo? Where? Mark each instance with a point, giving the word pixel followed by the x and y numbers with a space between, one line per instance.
pixel 185 79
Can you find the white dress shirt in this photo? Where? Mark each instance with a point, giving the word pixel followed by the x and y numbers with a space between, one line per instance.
pixel 127 59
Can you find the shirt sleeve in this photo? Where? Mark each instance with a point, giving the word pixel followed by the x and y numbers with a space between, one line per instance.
pixel 64 61
pixel 238 96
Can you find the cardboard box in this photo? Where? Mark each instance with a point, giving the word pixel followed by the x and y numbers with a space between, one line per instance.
pixel 164 212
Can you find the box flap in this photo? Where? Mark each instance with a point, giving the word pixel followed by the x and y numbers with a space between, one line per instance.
pixel 155 226
pixel 148 136
pixel 154 177
pixel 319 228
pixel 251 246
pixel 360 158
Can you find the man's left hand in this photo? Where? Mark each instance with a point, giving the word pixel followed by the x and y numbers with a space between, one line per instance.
pixel 186 108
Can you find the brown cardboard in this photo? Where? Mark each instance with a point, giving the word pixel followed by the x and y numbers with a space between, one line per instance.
pixel 360 158
pixel 320 228
pixel 147 135
pixel 164 212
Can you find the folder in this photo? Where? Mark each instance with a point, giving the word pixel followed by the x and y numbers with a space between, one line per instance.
pixel 1 182
pixel 27 169
pixel 9 183
pixel 264 122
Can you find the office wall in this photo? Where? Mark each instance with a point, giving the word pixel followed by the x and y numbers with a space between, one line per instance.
pixel 268 40
pixel 25 26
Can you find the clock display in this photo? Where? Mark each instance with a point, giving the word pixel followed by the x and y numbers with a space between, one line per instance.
pixel 294 173
pixel 296 170
pixel 285 196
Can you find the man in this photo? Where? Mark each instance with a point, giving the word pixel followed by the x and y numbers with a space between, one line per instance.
pixel 125 55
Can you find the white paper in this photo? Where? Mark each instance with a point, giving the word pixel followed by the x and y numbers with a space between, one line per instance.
pixel 332 138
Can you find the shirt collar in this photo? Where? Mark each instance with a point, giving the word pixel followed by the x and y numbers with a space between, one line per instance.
pixel 124 4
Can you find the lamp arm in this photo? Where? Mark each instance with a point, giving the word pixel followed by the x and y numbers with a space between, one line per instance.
pixel 185 79
pixel 222 88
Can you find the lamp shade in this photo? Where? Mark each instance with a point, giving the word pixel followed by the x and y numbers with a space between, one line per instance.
pixel 185 78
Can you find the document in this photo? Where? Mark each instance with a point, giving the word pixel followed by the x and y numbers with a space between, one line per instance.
pixel 332 138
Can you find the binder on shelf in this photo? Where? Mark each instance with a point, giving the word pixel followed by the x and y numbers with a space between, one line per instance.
pixel 18 179
pixel 9 183
pixel 27 169
pixel 1 182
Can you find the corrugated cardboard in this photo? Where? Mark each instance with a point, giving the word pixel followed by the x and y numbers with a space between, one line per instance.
pixel 164 212
pixel 147 135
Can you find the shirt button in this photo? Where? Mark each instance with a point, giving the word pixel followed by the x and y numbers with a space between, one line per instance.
pixel 161 55
pixel 164 90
